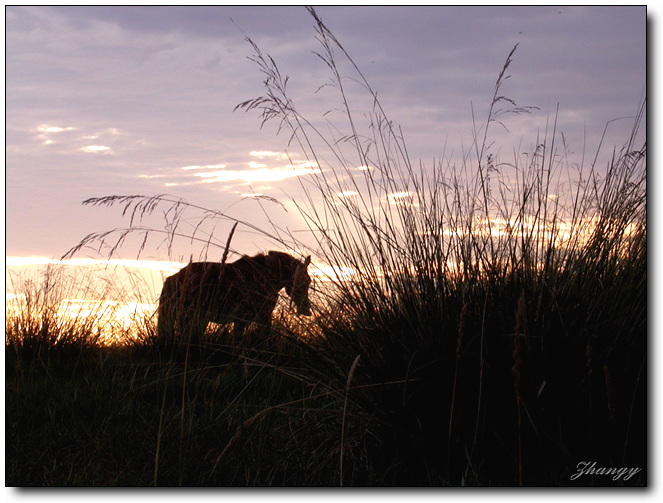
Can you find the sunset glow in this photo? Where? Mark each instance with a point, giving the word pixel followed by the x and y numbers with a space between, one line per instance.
pixel 156 265
pixel 113 321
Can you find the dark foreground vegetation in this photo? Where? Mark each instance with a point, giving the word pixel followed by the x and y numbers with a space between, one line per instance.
pixel 497 382
pixel 493 333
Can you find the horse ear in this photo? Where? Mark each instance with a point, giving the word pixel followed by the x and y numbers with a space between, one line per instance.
pixel 307 261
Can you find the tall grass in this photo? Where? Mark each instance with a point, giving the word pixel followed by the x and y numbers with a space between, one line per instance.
pixel 432 245
pixel 492 329
pixel 65 308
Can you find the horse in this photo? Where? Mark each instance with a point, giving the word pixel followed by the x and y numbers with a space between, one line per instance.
pixel 241 293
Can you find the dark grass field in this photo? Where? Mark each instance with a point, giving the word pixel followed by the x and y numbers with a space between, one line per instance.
pixel 495 383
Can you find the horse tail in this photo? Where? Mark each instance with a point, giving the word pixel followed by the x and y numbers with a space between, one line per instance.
pixel 167 307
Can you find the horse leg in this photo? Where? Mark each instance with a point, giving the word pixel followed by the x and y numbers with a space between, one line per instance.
pixel 192 329
pixel 165 323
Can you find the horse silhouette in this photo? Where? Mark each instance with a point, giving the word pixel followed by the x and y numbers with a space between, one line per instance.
pixel 241 293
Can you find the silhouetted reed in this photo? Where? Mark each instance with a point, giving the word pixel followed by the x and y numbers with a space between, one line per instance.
pixel 533 239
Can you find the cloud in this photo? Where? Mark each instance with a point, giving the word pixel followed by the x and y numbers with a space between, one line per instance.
pixel 256 172
pixel 53 129
pixel 96 149
pixel 151 91
pixel 257 175
pixel 266 153
pixel 209 166
pixel 47 132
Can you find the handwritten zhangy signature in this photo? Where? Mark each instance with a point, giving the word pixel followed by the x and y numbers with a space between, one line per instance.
pixel 590 468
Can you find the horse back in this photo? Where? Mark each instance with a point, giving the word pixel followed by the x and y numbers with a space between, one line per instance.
pixel 243 289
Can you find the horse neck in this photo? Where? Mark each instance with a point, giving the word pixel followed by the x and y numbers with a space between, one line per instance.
pixel 285 272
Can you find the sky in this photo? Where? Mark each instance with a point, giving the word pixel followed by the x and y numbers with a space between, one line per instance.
pixel 116 100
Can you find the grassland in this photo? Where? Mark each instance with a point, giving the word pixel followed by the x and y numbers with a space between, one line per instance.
pixel 495 382
pixel 494 333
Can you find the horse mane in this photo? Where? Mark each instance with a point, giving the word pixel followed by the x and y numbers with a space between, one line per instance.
pixel 272 263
